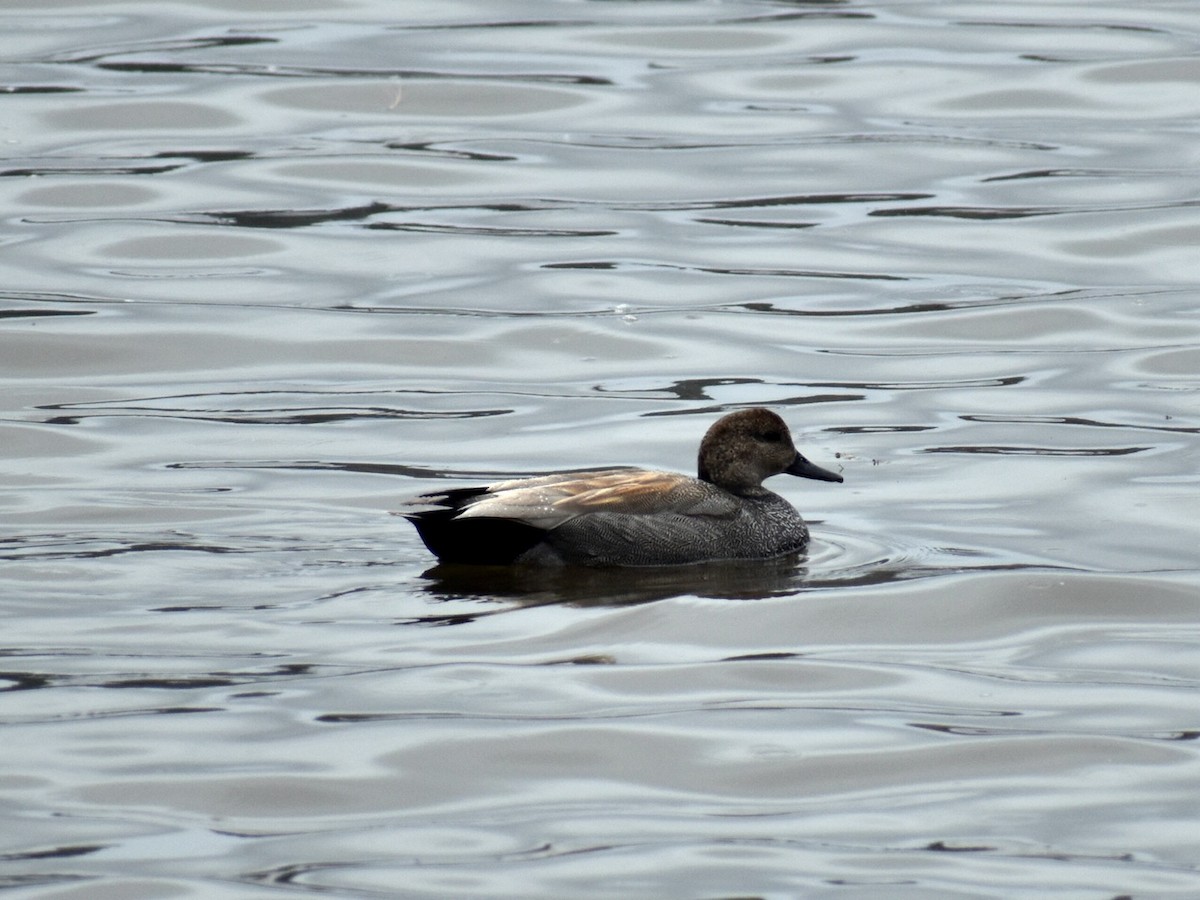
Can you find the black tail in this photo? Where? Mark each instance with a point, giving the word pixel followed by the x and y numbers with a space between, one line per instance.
pixel 474 540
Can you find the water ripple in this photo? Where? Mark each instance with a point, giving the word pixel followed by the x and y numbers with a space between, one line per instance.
pixel 267 280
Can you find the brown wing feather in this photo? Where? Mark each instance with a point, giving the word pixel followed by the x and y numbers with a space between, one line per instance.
pixel 551 500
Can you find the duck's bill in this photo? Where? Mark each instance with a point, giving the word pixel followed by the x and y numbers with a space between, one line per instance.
pixel 805 469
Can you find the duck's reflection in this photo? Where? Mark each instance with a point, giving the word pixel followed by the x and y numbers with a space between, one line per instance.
pixel 582 586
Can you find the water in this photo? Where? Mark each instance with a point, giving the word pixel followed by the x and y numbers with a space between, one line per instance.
pixel 270 268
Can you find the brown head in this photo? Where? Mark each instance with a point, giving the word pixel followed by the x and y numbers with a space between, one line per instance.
pixel 745 447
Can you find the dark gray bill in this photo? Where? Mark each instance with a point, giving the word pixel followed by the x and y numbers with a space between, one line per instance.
pixel 805 469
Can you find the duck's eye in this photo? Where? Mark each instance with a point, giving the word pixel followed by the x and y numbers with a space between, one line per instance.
pixel 771 437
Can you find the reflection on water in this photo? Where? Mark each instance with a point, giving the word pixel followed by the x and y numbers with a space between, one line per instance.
pixel 581 586
pixel 264 277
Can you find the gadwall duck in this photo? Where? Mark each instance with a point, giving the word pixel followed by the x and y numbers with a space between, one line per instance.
pixel 633 517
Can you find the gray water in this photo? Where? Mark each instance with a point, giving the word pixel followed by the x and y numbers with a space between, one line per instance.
pixel 269 268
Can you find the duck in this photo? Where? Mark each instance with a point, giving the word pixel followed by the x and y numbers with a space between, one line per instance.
pixel 626 517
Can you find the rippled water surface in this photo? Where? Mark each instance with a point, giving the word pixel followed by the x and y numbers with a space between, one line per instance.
pixel 269 268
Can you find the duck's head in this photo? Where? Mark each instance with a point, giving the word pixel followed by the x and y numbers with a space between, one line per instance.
pixel 747 446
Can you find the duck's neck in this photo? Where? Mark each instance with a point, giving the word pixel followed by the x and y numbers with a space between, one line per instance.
pixel 748 489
